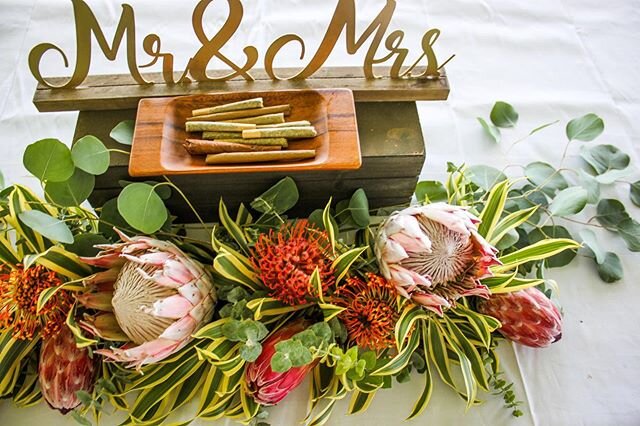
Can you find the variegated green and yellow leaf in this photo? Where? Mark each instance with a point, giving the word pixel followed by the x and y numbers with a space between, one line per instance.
pixel 328 226
pixel 232 228
pixel 493 209
pixel 406 322
pixel 400 361
pixel 360 401
pixel 60 261
pixel 509 222
pixel 342 264
pixel 541 250
pixel 232 268
pixel 267 306
pixel 425 396
pixel 477 365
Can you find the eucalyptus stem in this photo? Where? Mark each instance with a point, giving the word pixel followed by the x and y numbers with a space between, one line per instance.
pixel 120 151
pixel 171 184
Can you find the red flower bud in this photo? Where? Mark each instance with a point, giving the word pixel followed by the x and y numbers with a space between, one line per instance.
pixel 266 386
pixel 528 317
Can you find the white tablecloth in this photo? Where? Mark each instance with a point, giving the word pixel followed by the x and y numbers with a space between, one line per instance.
pixel 550 59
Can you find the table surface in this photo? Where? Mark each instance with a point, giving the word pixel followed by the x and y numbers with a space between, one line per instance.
pixel 550 59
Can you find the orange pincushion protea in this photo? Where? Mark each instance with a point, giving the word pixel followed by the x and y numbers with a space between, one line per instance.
pixel 371 311
pixel 285 260
pixel 19 292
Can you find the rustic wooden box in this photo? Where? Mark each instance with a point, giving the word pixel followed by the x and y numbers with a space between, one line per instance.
pixel 392 157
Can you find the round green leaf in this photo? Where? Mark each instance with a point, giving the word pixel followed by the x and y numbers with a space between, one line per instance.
pixel 123 132
pixel 359 207
pixel 84 244
pixel 585 128
pixel 485 177
pixel 610 270
pixel 605 158
pixel 49 160
pixel 431 191
pixel 610 213
pixel 142 208
pixel 90 155
pixel 508 240
pixel 591 185
pixel 73 191
pixel 164 191
pixel 279 198
pixel 46 225
pixel 490 130
pixel 634 193
pixel 110 218
pixel 568 201
pixel 629 230
pixel 590 240
pixel 543 175
pixel 560 259
pixel 503 115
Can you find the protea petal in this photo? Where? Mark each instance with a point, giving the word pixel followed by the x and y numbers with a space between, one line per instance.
pixel 174 307
pixel 100 300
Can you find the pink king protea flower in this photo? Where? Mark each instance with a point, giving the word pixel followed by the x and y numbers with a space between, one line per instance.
pixel 158 297
pixel 528 317
pixel 434 255
pixel 266 386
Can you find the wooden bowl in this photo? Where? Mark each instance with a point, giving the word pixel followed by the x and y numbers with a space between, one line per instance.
pixel 159 132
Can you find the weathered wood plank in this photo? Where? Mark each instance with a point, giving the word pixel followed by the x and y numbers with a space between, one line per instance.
pixel 105 92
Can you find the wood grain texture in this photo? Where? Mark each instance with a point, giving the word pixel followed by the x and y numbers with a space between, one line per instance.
pixel 392 157
pixel 159 133
pixel 104 92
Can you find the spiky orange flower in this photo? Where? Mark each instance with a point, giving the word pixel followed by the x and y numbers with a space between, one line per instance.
pixel 371 311
pixel 285 260
pixel 19 292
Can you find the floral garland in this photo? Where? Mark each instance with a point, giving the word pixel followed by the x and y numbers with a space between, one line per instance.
pixel 148 323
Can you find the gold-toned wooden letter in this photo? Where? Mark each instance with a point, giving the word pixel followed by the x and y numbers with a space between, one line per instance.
pixel 86 25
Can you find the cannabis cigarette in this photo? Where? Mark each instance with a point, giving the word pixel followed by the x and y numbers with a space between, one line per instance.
pixel 222 135
pixel 301 123
pixel 259 157
pixel 286 132
pixel 260 141
pixel 261 119
pixel 233 106
pixel 214 126
pixel 221 116
pixel 202 147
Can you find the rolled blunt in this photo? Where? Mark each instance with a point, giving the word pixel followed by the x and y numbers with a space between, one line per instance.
pixel 203 147
pixel 285 132
pixel 260 157
pixel 230 115
pixel 233 106
pixel 262 141
pixel 215 126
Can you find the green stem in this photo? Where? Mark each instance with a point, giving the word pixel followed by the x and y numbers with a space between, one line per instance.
pixel 171 184
pixel 119 151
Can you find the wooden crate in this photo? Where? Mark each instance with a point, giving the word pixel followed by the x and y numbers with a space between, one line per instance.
pixel 392 157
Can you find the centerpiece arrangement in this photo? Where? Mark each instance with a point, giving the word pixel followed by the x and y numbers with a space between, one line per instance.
pixel 119 308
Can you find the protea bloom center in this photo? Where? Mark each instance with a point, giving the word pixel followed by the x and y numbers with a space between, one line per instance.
pixel 434 254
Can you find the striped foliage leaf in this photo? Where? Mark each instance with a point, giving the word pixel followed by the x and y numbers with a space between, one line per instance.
pixel 360 401
pixel 234 230
pixel 493 209
pixel 342 264
pixel 425 396
pixel 328 226
pixel 509 222
pixel 406 322
pixel 400 361
pixel 232 268
pixel 456 336
pixel 538 251
pixel 269 307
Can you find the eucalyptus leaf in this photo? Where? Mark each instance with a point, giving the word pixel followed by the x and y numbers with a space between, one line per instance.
pixel 123 132
pixel 46 225
pixel 490 129
pixel 485 177
pixel 603 158
pixel 610 213
pixel 590 240
pixel 49 160
pixel 503 115
pixel 278 199
pixel 568 202
pixel 73 191
pixel 592 186
pixel 142 208
pixel 546 177
pixel 84 244
pixel 612 176
pixel 541 127
pixel 610 270
pixel 110 218
pixel 508 240
pixel 585 128
pixel 629 230
pixel 90 155
pixel 164 191
pixel 561 259
pixel 634 193
pixel 359 208
pixel 431 191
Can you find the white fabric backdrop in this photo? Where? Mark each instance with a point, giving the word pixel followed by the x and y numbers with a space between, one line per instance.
pixel 550 59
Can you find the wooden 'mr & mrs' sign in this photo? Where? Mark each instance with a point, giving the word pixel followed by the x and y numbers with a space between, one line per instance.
pixel 403 77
